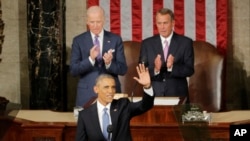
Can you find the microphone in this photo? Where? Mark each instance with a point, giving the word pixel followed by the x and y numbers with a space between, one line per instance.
pixel 109 129
pixel 132 93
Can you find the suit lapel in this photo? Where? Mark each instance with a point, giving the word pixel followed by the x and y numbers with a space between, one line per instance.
pixel 158 47
pixel 106 42
pixel 173 45
pixel 94 117
pixel 89 39
pixel 114 115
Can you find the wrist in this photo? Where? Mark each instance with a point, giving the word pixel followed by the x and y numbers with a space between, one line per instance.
pixel 157 71
pixel 147 86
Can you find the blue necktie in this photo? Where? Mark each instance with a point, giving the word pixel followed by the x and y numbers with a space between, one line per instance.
pixel 105 122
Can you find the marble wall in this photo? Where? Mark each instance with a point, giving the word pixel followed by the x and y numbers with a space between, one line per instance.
pixel 14 75
pixel 13 51
pixel 238 66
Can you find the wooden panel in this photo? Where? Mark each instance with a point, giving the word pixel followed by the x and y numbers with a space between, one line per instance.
pixel 43 132
pixel 156 133
pixel 156 115
pixel 157 124
pixel 69 132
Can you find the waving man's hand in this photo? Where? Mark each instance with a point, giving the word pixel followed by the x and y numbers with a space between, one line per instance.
pixel 144 77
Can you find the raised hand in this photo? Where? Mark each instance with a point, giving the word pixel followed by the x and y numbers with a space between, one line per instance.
pixel 94 51
pixel 170 61
pixel 107 57
pixel 157 63
pixel 144 77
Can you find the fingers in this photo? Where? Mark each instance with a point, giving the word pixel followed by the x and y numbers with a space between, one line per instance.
pixel 141 68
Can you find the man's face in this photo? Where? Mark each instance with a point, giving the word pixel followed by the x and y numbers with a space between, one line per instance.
pixel 164 24
pixel 105 90
pixel 95 22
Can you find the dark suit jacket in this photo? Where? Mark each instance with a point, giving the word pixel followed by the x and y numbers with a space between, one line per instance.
pixel 121 111
pixel 81 66
pixel 169 83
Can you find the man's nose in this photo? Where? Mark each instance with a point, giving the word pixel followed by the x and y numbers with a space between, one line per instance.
pixel 95 24
pixel 111 90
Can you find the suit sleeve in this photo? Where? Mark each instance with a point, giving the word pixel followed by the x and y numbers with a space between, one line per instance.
pixel 185 67
pixel 80 131
pixel 118 65
pixel 142 106
pixel 79 61
pixel 145 58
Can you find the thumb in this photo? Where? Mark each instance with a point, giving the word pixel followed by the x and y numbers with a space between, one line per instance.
pixel 135 78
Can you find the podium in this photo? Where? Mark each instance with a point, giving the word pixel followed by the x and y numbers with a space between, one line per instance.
pixel 160 123
pixel 162 112
pixel 157 124
pixel 164 123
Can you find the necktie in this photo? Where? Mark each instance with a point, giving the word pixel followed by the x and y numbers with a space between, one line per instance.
pixel 105 122
pixel 165 49
pixel 97 44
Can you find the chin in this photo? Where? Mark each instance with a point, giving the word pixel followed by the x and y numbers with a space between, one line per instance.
pixel 109 100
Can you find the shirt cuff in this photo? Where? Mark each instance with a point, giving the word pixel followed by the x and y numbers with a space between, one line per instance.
pixel 91 61
pixel 107 66
pixel 170 69
pixel 149 91
pixel 156 72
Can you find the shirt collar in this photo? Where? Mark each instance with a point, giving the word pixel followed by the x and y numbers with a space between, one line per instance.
pixel 100 35
pixel 100 106
pixel 168 38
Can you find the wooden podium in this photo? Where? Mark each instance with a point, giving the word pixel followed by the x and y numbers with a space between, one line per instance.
pixel 157 124
pixel 160 123
pixel 163 123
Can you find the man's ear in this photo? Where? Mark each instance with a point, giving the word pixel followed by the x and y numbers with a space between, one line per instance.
pixel 95 89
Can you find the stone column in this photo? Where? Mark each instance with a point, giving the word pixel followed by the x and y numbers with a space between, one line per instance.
pixel 1 31
pixel 46 51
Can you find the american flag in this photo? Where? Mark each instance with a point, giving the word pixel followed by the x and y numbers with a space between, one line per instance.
pixel 205 20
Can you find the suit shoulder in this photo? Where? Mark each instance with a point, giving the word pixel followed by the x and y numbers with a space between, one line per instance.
pixel 82 35
pixel 111 34
pixel 120 101
pixel 182 37
pixel 150 39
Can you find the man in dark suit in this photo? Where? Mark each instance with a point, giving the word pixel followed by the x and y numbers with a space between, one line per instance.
pixel 90 126
pixel 168 71
pixel 94 52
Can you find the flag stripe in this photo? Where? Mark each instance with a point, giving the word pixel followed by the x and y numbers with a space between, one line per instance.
pixel 115 16
pixel 211 26
pixel 221 17
pixel 92 2
pixel 136 20
pixel 147 18
pixel 158 4
pixel 169 4
pixel 204 20
pixel 200 20
pixel 106 6
pixel 189 18
pixel 126 20
pixel 179 16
